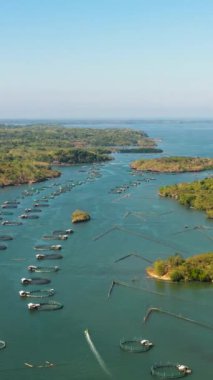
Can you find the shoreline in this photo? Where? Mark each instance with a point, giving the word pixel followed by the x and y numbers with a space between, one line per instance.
pixel 151 274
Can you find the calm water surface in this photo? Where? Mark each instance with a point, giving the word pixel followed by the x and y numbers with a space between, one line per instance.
pixel 136 221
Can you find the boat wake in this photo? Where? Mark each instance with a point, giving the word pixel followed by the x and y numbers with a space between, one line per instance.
pixel 96 353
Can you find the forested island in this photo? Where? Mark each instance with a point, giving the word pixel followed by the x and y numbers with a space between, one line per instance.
pixel 176 268
pixel 173 164
pixel 197 194
pixel 28 153
pixel 79 216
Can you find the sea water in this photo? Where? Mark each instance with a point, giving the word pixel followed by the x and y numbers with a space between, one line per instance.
pixel 136 222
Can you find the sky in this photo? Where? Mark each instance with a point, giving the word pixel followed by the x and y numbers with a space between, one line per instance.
pixel 106 59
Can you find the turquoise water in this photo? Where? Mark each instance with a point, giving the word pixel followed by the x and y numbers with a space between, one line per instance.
pixel 136 221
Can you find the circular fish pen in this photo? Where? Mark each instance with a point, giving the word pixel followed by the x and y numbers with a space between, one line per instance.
pixel 2 344
pixel 51 256
pixel 29 216
pixel 45 247
pixel 32 210
pixel 40 205
pixel 45 306
pixel 35 281
pixel 3 247
pixel 55 237
pixel 11 223
pixel 39 293
pixel 170 370
pixel 9 206
pixel 33 268
pixel 5 238
pixel 135 345
pixel 63 232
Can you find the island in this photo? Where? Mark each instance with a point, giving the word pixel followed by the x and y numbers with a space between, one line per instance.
pixel 173 164
pixel 30 153
pixel 176 268
pixel 197 194
pixel 79 216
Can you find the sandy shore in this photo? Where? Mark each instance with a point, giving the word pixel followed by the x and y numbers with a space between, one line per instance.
pixel 151 273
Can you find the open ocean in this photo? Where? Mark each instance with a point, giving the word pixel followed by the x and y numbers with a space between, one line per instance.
pixel 136 221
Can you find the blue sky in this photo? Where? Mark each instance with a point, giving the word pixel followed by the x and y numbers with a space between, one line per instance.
pixel 106 58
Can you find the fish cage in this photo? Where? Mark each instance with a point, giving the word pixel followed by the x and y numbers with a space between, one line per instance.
pixel 135 345
pixel 170 370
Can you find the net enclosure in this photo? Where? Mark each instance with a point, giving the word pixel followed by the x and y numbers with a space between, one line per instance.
pixel 37 293
pixel 5 237
pixel 33 268
pixel 135 345
pixel 2 344
pixel 46 247
pixel 36 280
pixel 170 370
pixel 51 256
pixel 3 247
pixel 45 306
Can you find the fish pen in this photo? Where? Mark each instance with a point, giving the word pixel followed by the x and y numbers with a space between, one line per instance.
pixel 29 216
pixel 2 344
pixel 41 205
pixel 55 237
pixel 125 284
pixel 105 232
pixel 33 268
pixel 11 223
pixel 3 247
pixel 179 316
pixel 135 345
pixel 44 247
pixel 5 237
pixel 140 235
pixel 51 256
pixel 38 293
pixel 45 306
pixel 134 255
pixel 169 370
pixel 9 206
pixel 34 210
pixel 6 213
pixel 68 231
pixel 35 281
